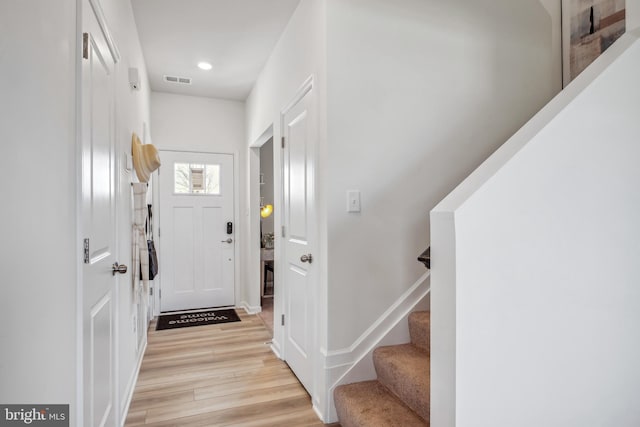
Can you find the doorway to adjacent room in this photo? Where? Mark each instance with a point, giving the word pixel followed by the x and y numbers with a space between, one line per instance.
pixel 267 236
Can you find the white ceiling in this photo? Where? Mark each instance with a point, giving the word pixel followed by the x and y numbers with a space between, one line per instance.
pixel 235 36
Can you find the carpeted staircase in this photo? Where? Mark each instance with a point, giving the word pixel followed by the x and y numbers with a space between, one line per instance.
pixel 400 395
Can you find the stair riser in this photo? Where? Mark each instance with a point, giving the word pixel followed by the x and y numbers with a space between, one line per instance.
pixel 420 330
pixel 400 396
pixel 410 386
pixel 369 404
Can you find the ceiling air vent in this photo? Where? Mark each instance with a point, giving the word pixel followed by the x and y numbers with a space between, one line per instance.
pixel 178 80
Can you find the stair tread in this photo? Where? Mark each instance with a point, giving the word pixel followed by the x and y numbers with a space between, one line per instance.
pixel 369 403
pixel 420 329
pixel 405 370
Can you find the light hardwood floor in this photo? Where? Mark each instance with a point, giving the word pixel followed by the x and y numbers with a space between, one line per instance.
pixel 217 375
pixel 267 313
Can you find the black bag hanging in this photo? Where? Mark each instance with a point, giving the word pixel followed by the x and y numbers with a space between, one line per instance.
pixel 153 258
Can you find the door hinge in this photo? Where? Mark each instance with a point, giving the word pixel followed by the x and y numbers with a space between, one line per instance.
pixel 282 140
pixel 151 291
pixel 283 235
pixel 86 251
pixel 159 231
pixel 282 320
pixel 159 293
pixel 85 45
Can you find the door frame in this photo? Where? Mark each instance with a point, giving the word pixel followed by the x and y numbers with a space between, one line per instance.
pixel 96 7
pixel 236 215
pixel 253 303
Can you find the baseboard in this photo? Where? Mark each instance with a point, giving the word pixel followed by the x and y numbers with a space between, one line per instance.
pixel 319 413
pixel 355 363
pixel 250 309
pixel 275 347
pixel 132 385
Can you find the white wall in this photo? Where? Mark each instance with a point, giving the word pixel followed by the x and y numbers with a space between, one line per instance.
pixel 419 94
pixel 194 123
pixel 633 14
pixel 132 114
pixel 299 54
pixel 191 123
pixel 540 289
pixel 40 248
pixel 38 217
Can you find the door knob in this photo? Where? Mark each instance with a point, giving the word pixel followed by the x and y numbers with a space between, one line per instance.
pixel 307 258
pixel 118 268
pixel 229 240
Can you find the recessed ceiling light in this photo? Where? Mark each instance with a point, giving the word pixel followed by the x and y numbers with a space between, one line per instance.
pixel 204 66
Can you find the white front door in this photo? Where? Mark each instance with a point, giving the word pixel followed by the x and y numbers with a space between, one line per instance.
pixel 298 130
pixel 197 230
pixel 98 227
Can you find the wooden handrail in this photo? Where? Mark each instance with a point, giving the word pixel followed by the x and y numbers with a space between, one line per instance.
pixel 425 257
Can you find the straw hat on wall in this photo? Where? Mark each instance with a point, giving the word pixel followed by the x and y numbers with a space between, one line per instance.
pixel 145 158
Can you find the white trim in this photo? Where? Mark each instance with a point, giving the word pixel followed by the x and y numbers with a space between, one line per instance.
pixel 302 91
pixel 252 285
pixel 155 284
pixel 253 197
pixel 132 386
pixel 237 229
pixel 250 309
pixel 180 150
pixel 339 363
pixel 102 21
pixel 117 201
pixel 252 238
pixel 380 327
pixel 275 347
pixel 318 412
pixel 79 398
pixel 262 139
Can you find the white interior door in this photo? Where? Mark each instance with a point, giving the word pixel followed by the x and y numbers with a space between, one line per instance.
pixel 98 226
pixel 197 244
pixel 300 238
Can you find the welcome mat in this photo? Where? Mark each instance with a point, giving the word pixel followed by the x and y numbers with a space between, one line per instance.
pixel 207 317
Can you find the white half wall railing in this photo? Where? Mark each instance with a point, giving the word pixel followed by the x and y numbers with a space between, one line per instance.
pixel 535 300
pixel 355 363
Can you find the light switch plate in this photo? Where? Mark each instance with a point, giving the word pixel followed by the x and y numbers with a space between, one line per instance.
pixel 353 201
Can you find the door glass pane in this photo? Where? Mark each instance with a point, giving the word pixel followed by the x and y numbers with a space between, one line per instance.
pixel 182 178
pixel 213 179
pixel 190 178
